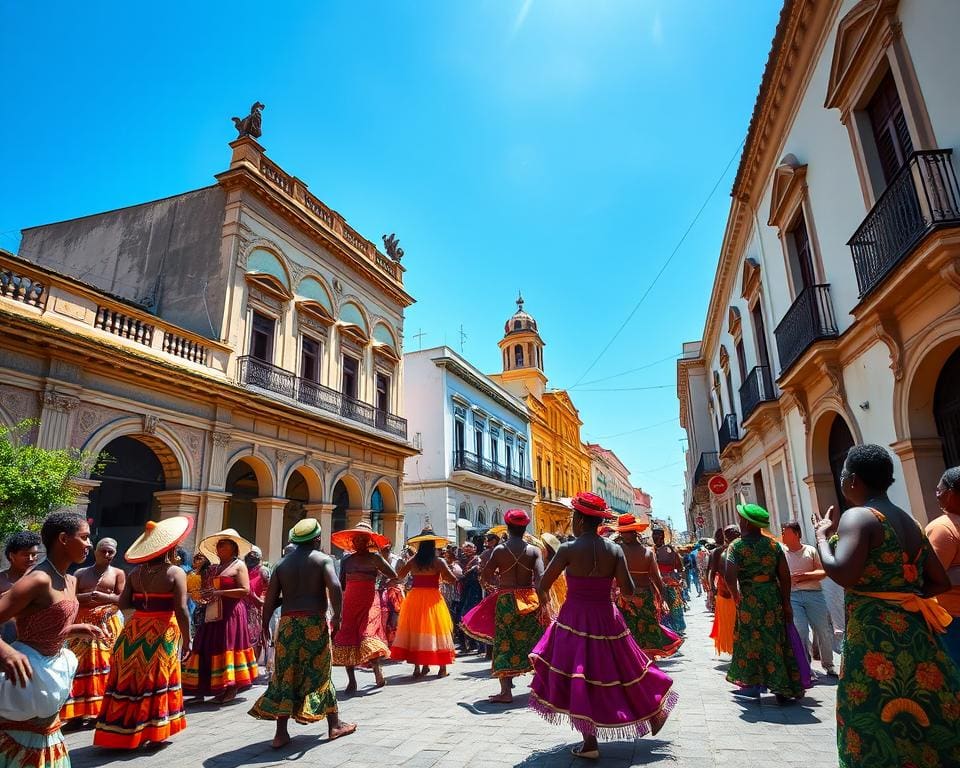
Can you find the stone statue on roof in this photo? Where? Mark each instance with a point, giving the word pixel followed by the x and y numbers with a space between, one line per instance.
pixel 392 244
pixel 250 125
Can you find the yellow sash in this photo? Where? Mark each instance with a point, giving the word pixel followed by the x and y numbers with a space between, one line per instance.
pixel 936 617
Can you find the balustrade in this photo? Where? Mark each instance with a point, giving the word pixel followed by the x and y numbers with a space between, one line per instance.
pixel 124 325
pixel 488 468
pixel 809 319
pixel 756 388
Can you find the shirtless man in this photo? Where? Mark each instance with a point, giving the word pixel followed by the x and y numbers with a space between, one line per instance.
pixel 518 567
pixel 303 580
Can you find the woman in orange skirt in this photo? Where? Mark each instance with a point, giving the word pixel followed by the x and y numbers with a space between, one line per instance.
pixel 425 631
pixel 361 639
pixel 725 610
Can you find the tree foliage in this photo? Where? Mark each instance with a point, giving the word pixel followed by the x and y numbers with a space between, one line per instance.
pixel 35 481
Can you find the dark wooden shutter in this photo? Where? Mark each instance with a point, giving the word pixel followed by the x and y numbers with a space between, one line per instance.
pixel 889 124
pixel 801 243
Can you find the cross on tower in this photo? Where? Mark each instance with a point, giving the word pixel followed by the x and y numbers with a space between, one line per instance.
pixel 419 337
pixel 519 301
pixel 463 338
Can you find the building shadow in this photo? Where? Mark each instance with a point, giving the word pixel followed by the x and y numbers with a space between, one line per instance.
pixel 613 754
pixel 91 755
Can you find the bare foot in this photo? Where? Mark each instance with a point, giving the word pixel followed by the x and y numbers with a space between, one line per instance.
pixel 280 740
pixel 351 687
pixel 443 673
pixel 500 698
pixel 343 729
pixel 380 679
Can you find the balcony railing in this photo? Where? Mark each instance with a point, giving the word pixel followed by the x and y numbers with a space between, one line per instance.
pixel 728 431
pixel 922 197
pixel 809 319
pixel 756 388
pixel 482 466
pixel 709 464
pixel 256 373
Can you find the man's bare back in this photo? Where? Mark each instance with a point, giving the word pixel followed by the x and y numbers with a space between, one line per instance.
pixel 302 581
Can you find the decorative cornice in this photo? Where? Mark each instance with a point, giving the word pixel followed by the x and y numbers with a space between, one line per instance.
pixel 57 401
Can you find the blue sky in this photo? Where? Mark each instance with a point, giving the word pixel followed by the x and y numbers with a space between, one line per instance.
pixel 561 148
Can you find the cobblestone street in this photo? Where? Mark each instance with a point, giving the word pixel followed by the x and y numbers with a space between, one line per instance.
pixel 447 723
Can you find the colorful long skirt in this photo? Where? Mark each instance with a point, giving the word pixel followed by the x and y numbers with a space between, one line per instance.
pixel 143 700
pixel 34 743
pixel 640 614
pixel 425 630
pixel 508 620
pixel 590 671
pixel 222 655
pixel 673 596
pixel 361 638
pixel 93 662
pixel 898 700
pixel 301 686
pixel 762 654
pixel 391 602
pixel 724 621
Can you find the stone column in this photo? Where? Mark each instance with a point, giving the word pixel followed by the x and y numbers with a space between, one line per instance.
pixel 393 529
pixel 212 507
pixel 180 502
pixel 323 513
pixel 354 516
pixel 922 461
pixel 270 533
pixel 56 415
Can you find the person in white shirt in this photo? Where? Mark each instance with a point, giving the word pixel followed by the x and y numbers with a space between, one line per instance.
pixel 806 597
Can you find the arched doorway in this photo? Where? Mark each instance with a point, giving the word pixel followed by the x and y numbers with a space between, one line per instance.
pixel 376 510
pixel 241 511
pixel 839 443
pixel 298 495
pixel 946 409
pixel 124 502
pixel 341 503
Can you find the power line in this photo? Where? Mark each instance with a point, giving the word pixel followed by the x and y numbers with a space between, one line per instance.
pixel 625 373
pixel 662 268
pixel 638 429
pixel 657 469
pixel 628 389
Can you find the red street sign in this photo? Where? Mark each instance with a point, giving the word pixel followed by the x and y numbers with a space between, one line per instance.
pixel 701 521
pixel 718 485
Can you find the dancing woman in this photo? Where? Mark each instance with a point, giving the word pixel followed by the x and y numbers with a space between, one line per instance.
pixel 587 667
pixel 425 631
pixel 143 701
pixel 37 669
pixel 361 639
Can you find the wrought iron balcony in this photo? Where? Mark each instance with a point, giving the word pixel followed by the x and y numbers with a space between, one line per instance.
pixel 728 431
pixel 256 373
pixel 756 388
pixel 483 466
pixel 709 464
pixel 922 197
pixel 809 319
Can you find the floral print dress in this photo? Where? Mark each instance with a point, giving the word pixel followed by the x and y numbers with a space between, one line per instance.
pixel 762 654
pixel 898 701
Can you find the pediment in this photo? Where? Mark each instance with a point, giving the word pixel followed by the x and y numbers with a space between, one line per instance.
pixel 750 277
pixel 724 357
pixel 316 310
pixel 733 321
pixel 788 181
pixel 865 24
pixel 269 285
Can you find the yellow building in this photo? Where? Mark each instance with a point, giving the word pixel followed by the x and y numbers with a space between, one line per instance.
pixel 561 463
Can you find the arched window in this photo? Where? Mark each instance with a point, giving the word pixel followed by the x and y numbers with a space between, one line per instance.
pixel 376 510
pixel 482 516
pixel 518 355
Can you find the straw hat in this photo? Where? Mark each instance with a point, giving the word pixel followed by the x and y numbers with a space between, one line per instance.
pixel 551 541
pixel 427 534
pixel 159 537
pixel 208 546
pixel 630 523
pixel 306 530
pixel 497 530
pixel 345 539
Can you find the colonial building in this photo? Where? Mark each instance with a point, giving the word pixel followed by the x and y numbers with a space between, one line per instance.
pixel 610 479
pixel 475 447
pixel 833 318
pixel 235 350
pixel 561 464
pixel 642 505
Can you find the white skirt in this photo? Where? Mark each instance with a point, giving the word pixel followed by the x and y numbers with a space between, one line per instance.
pixel 46 691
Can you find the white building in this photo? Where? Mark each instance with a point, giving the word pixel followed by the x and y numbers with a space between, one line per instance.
pixel 833 318
pixel 610 479
pixel 475 441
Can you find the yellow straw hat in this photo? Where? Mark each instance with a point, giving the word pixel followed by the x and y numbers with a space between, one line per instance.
pixel 427 534
pixel 209 545
pixel 158 537
pixel 551 541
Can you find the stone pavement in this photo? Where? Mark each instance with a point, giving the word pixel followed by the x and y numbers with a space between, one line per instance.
pixel 447 724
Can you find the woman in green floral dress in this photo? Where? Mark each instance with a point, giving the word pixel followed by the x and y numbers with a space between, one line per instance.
pixel 898 700
pixel 759 580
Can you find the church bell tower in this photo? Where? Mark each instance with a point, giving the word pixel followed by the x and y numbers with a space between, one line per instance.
pixel 522 351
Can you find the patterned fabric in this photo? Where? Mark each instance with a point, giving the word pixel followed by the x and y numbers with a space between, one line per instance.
pixel 673 596
pixel 640 613
pixel 762 654
pixel 425 630
pixel 259 580
pixel 143 700
pixel 516 630
pixel 361 638
pixel 391 601
pixel 589 671
pixel 898 701
pixel 45 630
pixel 33 744
pixel 301 686
pixel 222 656
pixel 93 662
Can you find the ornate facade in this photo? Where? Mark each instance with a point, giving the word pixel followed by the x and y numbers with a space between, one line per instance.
pixel 561 464
pixel 236 351
pixel 834 313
